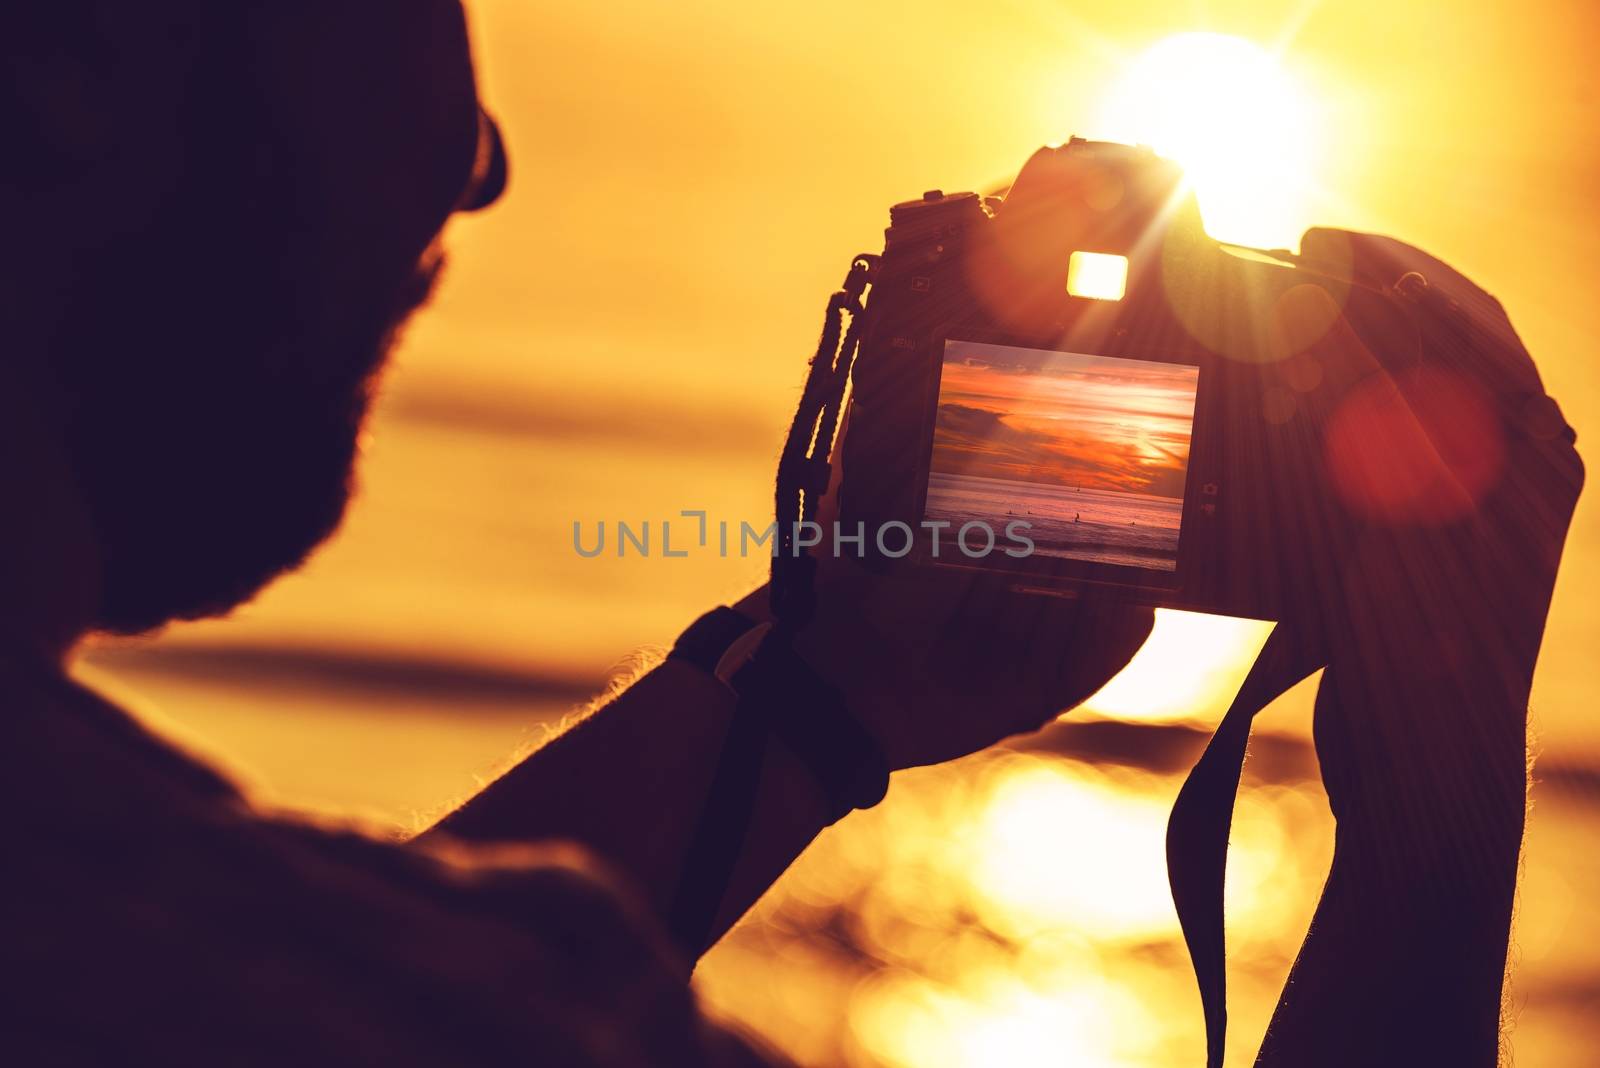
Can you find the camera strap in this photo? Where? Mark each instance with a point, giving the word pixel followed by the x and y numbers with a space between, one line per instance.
pixel 1197 830
pixel 804 470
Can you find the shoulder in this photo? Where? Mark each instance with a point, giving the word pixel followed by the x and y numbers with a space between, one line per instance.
pixel 158 911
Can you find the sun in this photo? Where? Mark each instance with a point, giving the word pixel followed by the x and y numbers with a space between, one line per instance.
pixel 1240 124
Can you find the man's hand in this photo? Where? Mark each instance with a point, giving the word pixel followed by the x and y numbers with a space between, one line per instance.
pixel 936 667
pixel 1450 479
pixel 940 664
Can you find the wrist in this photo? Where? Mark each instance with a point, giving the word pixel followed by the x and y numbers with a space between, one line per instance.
pixel 809 717
pixel 756 604
pixel 784 773
pixel 842 666
pixel 799 708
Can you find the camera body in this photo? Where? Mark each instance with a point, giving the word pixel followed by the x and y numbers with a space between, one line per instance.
pixel 1119 399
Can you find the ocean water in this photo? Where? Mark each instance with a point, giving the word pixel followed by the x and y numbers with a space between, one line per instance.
pixel 1104 526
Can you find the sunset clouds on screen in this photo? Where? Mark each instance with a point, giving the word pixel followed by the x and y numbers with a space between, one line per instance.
pixel 1064 418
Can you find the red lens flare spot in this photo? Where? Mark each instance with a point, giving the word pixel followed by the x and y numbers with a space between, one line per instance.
pixel 1425 447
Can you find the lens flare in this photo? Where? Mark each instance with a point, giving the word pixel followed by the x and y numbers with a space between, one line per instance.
pixel 1423 447
pixel 1239 124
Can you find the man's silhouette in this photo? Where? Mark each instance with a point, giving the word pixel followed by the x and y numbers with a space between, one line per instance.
pixel 218 216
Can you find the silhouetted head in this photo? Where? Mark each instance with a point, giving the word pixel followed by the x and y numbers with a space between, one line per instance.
pixel 218 215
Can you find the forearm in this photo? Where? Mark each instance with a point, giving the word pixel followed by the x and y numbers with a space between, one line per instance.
pixel 1397 982
pixel 1405 960
pixel 630 783
pixel 1402 971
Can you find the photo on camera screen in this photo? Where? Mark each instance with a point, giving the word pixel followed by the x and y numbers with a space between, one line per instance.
pixel 1090 451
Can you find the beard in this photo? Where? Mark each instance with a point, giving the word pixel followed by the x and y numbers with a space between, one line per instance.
pixel 220 351
pixel 215 405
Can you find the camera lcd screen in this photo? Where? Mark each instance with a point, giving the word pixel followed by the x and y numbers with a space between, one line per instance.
pixel 1091 452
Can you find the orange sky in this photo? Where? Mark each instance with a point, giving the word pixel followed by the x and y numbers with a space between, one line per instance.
pixel 1064 418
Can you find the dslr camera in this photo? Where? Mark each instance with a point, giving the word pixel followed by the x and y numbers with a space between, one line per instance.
pixel 1073 385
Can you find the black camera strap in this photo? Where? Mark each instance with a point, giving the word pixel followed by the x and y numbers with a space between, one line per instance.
pixel 804 470
pixel 1197 830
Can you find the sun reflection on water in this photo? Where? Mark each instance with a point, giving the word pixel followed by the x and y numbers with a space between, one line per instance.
pixel 996 1017
pixel 1013 909
pixel 1042 824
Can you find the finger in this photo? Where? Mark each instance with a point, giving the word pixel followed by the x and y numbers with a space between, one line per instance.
pixel 1466 326
pixel 1101 641
pixel 990 627
pixel 1378 261
pixel 1074 646
pixel 1341 357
